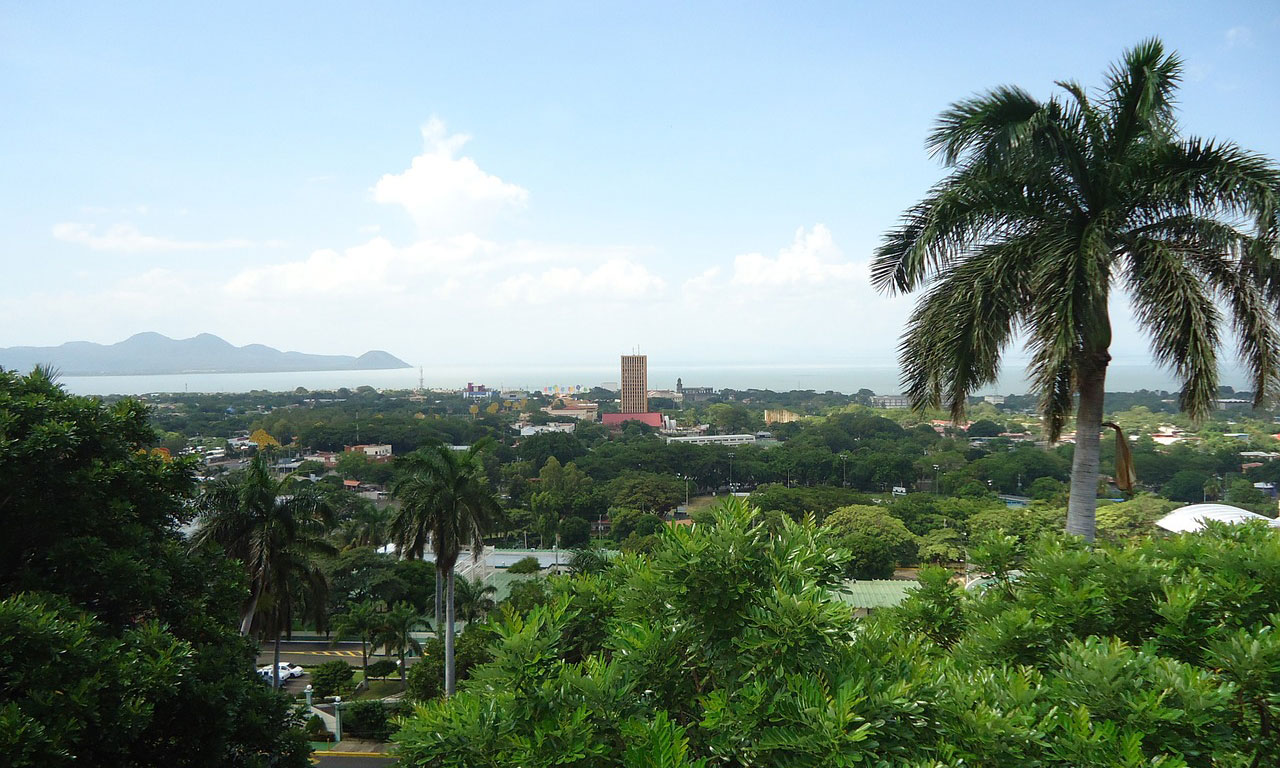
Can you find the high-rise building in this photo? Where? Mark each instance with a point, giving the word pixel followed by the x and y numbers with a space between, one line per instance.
pixel 635 384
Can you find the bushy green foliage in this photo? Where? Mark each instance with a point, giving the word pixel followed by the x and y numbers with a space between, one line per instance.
pixel 876 540
pixel 332 678
pixel 425 679
pixel 797 502
pixel 528 564
pixel 728 645
pixel 575 532
pixel 382 668
pixel 368 719
pixel 118 643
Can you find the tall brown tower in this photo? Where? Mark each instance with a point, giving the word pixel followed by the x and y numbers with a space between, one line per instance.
pixel 635 384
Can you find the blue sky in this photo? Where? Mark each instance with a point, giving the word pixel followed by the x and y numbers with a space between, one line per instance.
pixel 705 180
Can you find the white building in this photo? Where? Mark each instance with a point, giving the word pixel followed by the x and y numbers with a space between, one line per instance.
pixel 1194 517
pixel 890 401
pixel 714 439
pixel 372 451
pixel 528 430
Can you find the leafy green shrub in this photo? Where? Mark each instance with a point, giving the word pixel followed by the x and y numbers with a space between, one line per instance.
pixel 368 719
pixel 316 729
pixel 425 680
pixel 574 533
pixel 382 668
pixel 528 564
pixel 332 678
pixel 1156 653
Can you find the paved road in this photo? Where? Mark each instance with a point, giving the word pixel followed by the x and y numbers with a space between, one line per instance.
pixel 310 653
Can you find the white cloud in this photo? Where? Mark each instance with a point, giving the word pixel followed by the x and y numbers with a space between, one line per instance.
pixel 371 268
pixel 614 280
pixel 811 263
pixel 1239 36
pixel 125 238
pixel 812 260
pixel 446 193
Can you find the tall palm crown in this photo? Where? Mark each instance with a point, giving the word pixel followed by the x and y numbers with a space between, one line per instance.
pixel 474 599
pixel 277 531
pixel 445 497
pixel 1047 204
pixel 445 503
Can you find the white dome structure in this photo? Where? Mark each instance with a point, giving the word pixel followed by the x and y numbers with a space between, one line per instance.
pixel 1193 517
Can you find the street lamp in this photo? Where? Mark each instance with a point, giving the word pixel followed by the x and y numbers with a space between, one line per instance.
pixel 730 471
pixel 844 470
pixel 935 477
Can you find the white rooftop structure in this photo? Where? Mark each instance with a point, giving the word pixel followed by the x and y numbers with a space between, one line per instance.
pixel 1193 517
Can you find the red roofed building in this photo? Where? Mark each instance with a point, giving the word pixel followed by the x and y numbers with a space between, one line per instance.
pixel 615 420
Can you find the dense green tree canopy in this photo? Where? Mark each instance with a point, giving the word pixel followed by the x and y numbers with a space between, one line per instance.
pixel 729 645
pixel 116 637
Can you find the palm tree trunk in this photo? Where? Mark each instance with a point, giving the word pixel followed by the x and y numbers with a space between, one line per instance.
pixel 246 617
pixel 1083 502
pixel 275 667
pixel 439 597
pixel 450 684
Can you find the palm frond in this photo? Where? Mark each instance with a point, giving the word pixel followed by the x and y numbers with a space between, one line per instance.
pixel 1172 305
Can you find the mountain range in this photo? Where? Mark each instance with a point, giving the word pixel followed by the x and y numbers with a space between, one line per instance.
pixel 154 353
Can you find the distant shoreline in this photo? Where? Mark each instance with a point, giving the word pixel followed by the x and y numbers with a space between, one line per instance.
pixel 846 379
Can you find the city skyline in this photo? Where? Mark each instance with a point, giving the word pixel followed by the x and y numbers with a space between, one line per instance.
pixel 329 185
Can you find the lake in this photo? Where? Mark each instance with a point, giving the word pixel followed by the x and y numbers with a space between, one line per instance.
pixel 882 379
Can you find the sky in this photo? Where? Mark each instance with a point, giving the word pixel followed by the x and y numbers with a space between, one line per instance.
pixel 526 183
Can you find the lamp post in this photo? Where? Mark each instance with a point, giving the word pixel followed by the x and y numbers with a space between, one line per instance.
pixel 844 470
pixel 935 478
pixel 730 472
pixel 337 718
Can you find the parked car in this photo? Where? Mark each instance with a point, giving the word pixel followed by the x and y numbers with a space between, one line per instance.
pixel 287 671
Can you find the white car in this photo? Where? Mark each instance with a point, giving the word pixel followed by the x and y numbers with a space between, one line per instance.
pixel 287 671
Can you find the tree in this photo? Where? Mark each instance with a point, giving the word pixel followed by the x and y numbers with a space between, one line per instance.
pixel 877 540
pixel 1133 518
pixel 1186 485
pixel 445 499
pixel 331 677
pixel 1050 202
pixel 1048 489
pixel 276 529
pixel 575 533
pixel 647 491
pixel 110 624
pixel 730 645
pixel 363 525
pixel 984 428
pixel 1242 493
pixel 475 599
pixel 361 620
pixel 395 632
pixel 528 564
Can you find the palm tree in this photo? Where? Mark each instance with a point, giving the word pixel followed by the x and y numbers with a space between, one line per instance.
pixel 1051 204
pixel 277 532
pixel 588 561
pixel 474 599
pixel 396 630
pixel 362 620
pixel 445 499
pixel 362 525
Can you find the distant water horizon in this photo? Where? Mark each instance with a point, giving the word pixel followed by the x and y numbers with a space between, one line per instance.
pixel 882 379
